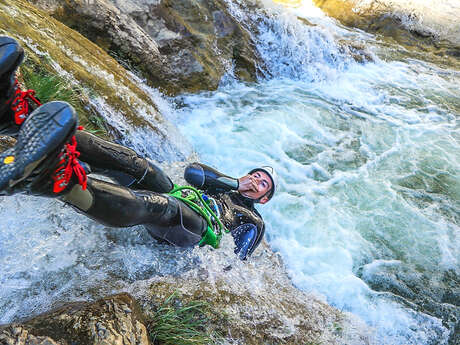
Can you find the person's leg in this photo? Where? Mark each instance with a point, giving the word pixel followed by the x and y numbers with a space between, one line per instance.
pixel 103 154
pixel 118 206
pixel 44 162
pixel 166 218
pixel 99 153
pixel 11 56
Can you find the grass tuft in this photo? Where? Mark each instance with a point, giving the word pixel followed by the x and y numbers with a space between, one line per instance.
pixel 176 324
pixel 53 87
pixel 50 87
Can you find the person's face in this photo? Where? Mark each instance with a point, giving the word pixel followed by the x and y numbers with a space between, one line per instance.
pixel 264 185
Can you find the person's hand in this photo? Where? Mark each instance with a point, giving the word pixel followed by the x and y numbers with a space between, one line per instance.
pixel 247 184
pixel 244 237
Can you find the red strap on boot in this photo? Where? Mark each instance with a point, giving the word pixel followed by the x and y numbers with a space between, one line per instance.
pixel 20 105
pixel 68 165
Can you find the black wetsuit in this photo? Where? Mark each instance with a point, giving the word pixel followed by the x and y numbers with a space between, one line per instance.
pixel 164 216
pixel 145 201
pixel 236 210
pixel 140 198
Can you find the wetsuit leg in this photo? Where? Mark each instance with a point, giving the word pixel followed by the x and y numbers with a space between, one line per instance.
pixel 165 217
pixel 11 56
pixel 105 155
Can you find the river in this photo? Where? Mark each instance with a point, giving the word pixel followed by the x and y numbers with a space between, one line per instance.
pixel 368 158
pixel 366 214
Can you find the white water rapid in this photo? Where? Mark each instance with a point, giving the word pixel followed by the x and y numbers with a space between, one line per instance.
pixel 368 155
pixel 367 211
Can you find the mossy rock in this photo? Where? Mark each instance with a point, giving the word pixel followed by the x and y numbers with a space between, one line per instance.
pixel 55 48
pixel 177 45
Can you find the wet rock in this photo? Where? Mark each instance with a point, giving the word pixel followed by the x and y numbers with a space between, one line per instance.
pixel 273 313
pixel 20 336
pixel 110 93
pixel 115 320
pixel 251 306
pixel 109 28
pixel 434 294
pixel 178 45
pixel 416 25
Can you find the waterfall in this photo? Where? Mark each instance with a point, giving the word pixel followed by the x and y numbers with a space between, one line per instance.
pixel 365 138
pixel 368 157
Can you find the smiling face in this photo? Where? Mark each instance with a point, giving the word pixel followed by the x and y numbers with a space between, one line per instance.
pixel 264 185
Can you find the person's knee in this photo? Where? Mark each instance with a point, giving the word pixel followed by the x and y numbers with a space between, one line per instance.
pixel 79 198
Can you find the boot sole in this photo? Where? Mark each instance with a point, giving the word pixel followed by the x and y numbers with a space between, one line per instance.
pixel 41 136
pixel 11 55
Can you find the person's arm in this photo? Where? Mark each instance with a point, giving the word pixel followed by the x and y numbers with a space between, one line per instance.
pixel 204 177
pixel 246 238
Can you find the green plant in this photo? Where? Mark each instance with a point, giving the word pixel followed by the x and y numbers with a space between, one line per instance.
pixel 50 86
pixel 177 324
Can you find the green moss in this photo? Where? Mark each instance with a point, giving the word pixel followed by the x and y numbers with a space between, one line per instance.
pixel 46 39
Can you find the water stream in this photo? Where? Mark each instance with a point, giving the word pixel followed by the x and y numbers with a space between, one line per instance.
pixel 367 211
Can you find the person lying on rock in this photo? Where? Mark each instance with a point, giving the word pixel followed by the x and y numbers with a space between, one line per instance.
pixel 44 163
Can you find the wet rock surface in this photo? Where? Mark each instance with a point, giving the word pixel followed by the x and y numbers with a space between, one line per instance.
pixel 177 45
pixel 430 27
pixel 252 306
pixel 436 296
pixel 270 312
pixel 115 320
pixel 106 88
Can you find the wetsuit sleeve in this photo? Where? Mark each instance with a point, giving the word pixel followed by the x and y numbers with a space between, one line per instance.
pixel 206 178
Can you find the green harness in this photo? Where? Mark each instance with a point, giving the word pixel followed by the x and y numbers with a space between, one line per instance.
pixel 193 198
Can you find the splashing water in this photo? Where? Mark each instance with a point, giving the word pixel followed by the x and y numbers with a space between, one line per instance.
pixel 368 158
pixel 367 210
pixel 50 254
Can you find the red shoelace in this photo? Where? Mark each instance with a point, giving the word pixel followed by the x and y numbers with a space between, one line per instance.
pixel 20 105
pixel 67 166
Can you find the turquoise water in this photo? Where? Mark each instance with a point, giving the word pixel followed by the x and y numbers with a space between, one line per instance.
pixel 367 212
pixel 368 155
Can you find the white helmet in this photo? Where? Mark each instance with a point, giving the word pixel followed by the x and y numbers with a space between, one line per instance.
pixel 272 174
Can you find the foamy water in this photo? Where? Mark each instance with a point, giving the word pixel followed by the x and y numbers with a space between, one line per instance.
pixel 368 158
pixel 359 195
pixel 366 216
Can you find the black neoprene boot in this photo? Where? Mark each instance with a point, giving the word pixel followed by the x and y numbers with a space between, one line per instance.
pixel 43 161
pixel 15 104
pixel 122 164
